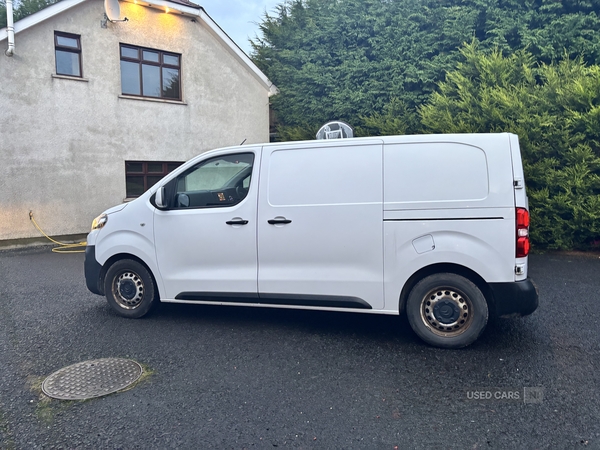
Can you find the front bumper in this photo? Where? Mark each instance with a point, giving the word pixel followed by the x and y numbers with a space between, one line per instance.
pixel 514 299
pixel 92 270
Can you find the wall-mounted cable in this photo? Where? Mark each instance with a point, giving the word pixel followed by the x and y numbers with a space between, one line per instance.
pixel 62 246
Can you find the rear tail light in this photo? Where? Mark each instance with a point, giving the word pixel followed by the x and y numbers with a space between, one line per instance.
pixel 523 243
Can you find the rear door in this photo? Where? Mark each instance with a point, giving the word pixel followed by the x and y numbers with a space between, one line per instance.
pixel 521 200
pixel 320 225
pixel 519 177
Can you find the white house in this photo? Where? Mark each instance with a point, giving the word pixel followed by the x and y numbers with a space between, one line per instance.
pixel 93 112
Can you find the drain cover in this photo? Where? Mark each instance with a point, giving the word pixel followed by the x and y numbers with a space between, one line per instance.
pixel 91 379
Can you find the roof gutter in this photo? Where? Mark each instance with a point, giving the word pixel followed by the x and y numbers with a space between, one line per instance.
pixel 10 29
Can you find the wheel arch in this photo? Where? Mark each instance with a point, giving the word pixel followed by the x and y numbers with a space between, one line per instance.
pixel 446 268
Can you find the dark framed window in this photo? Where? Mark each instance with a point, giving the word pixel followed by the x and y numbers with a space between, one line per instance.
pixel 150 73
pixel 67 49
pixel 142 175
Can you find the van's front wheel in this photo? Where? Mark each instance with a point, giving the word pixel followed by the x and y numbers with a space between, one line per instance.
pixel 130 289
pixel 447 310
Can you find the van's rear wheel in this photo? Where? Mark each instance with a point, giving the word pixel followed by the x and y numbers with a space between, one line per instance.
pixel 130 289
pixel 447 310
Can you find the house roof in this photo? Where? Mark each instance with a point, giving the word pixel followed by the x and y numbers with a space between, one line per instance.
pixel 186 3
pixel 184 7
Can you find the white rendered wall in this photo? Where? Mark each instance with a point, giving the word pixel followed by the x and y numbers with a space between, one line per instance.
pixel 63 142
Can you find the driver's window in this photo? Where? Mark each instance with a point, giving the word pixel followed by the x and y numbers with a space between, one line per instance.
pixel 219 181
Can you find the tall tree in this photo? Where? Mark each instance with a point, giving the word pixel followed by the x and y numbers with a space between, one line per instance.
pixel 23 8
pixel 555 111
pixel 357 60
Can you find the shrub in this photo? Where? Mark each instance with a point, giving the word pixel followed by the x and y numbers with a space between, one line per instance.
pixel 555 110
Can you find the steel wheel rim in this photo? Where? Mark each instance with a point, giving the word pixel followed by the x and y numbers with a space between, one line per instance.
pixel 128 290
pixel 447 312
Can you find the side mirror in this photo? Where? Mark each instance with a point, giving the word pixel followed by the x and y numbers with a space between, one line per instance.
pixel 160 198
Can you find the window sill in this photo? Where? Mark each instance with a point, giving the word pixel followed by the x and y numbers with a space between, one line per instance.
pixel 156 100
pixel 68 77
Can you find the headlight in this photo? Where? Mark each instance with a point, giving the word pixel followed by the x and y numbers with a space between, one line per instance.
pixel 99 221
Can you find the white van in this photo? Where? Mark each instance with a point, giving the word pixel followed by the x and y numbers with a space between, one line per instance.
pixel 434 225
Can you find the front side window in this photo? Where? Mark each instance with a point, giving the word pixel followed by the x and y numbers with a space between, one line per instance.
pixel 67 49
pixel 150 73
pixel 216 182
pixel 142 175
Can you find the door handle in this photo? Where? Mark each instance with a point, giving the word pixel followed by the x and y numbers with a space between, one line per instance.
pixel 277 221
pixel 236 222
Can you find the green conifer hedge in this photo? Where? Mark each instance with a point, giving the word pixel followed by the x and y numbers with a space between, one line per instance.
pixel 555 110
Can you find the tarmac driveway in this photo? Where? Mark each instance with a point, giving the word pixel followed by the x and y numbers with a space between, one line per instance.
pixel 261 378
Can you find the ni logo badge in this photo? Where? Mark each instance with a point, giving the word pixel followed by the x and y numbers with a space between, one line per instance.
pixel 533 394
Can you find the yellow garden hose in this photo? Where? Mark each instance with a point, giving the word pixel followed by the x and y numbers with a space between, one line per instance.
pixel 62 247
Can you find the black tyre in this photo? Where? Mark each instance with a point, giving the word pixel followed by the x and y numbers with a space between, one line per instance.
pixel 130 289
pixel 447 310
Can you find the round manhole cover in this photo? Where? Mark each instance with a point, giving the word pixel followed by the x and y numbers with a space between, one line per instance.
pixel 91 379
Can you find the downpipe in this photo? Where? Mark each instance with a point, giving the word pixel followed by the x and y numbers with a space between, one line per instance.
pixel 10 29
